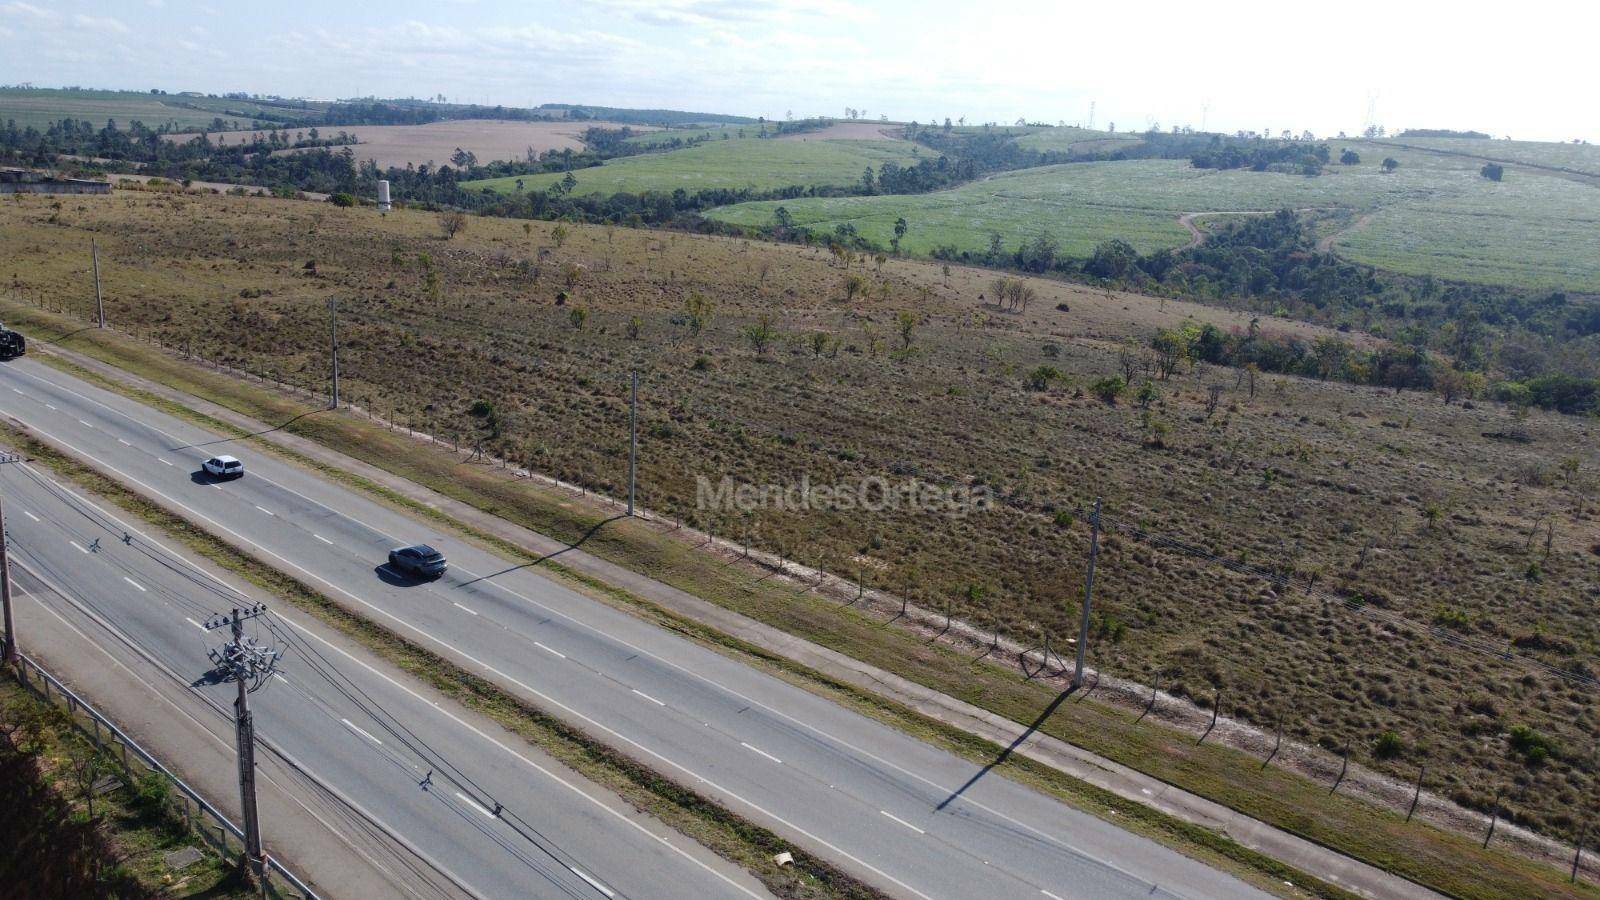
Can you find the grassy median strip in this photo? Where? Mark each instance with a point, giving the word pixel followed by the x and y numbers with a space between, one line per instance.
pixel 708 822
pixel 1447 862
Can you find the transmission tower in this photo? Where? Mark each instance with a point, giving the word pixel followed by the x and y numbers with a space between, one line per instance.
pixel 249 665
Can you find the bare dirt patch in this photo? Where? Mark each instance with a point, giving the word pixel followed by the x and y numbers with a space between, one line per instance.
pixel 488 139
pixel 849 131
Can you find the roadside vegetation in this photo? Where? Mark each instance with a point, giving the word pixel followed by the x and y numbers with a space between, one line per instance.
pixel 1419 507
pixel 74 827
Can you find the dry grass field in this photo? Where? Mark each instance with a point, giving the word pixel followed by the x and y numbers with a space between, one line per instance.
pixel 434 143
pixel 1437 514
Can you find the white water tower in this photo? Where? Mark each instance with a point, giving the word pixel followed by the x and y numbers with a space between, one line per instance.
pixel 383 196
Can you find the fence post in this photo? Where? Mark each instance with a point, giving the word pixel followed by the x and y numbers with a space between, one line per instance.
pixel 1494 815
pixel 1422 770
pixel 1577 854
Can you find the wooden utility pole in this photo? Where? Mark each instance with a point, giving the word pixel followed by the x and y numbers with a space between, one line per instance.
pixel 1088 595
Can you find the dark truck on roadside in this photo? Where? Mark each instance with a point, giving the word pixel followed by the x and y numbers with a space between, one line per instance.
pixel 12 343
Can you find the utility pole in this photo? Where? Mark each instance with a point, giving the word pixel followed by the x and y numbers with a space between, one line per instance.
pixel 633 438
pixel 1088 594
pixel 249 665
pixel 333 346
pixel 99 302
pixel 9 654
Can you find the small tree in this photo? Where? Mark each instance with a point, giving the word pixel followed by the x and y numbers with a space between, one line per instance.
pixel 697 312
pixel 451 222
pixel 1493 171
pixel 1349 158
pixel 1042 377
pixel 346 199
pixel 635 325
pixel 1390 164
pixel 761 334
pixel 559 234
pixel 853 285
pixel 906 323
pixel 578 315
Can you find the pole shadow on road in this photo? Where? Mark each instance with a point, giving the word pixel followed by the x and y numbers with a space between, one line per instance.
pixel 1006 753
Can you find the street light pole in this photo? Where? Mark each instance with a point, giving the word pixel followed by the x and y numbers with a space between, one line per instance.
pixel 633 439
pixel 99 301
pixel 1088 595
pixel 333 345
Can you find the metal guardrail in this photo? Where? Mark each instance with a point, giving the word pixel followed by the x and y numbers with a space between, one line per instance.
pixel 109 737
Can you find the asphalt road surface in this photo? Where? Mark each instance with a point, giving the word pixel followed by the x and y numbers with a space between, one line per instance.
pixel 912 819
pixel 388 756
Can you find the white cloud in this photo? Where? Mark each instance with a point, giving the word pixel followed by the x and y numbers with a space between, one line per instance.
pixel 100 23
pixel 17 7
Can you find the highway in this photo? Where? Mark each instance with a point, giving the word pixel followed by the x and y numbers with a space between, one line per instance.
pixel 390 757
pixel 909 818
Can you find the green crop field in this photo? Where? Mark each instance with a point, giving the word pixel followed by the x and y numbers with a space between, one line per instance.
pixel 753 163
pixel 1069 139
pixel 1575 157
pixel 1435 214
pixel 40 107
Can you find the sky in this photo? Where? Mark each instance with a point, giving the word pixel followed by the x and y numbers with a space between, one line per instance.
pixel 1521 70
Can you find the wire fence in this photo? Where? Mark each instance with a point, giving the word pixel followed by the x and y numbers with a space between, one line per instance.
pixel 197 813
pixel 818 577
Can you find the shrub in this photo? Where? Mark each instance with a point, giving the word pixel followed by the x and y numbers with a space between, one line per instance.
pixel 343 198
pixel 1533 747
pixel 1388 745
pixel 1109 389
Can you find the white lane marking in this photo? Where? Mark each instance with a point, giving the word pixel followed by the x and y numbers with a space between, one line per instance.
pixel 84 424
pixel 499 674
pixel 48 405
pixel 462 608
pixel 217 486
pixel 30 515
pixel 280 677
pixel 352 726
pixel 123 442
pixel 1048 894
pixel 81 548
pixel 762 752
pixel 162 461
pixel 194 623
pixel 592 883
pixel 134 583
pixel 647 696
pixel 15 391
pixel 323 539
pixel 385 827
pixel 265 510
pixel 902 821
pixel 468 801
pixel 549 650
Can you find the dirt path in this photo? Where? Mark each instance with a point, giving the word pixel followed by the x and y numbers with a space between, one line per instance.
pixel 1325 245
pixel 1197 237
